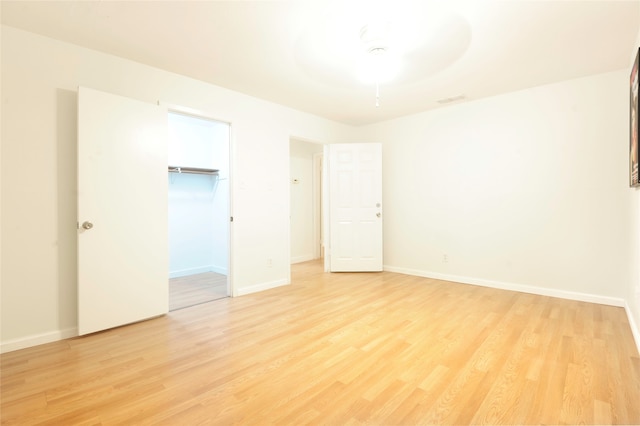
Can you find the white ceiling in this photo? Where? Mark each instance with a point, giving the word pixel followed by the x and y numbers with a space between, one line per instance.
pixel 302 53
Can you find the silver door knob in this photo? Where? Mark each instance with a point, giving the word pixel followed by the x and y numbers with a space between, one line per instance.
pixel 87 225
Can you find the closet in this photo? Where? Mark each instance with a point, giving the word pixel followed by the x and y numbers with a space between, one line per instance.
pixel 198 202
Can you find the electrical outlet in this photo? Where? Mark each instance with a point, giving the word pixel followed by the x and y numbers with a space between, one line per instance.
pixel 269 263
pixel 445 258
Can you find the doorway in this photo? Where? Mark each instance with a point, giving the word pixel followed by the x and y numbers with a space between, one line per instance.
pixel 198 204
pixel 336 205
pixel 306 200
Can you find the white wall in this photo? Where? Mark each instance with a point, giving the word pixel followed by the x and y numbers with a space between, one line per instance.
pixel 633 290
pixel 197 142
pixel 191 228
pixel 527 190
pixel 198 204
pixel 303 240
pixel 40 77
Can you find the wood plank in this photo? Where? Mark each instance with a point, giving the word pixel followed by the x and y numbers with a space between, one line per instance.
pixel 346 348
pixel 194 289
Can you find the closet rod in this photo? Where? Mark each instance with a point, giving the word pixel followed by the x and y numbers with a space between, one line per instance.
pixel 193 170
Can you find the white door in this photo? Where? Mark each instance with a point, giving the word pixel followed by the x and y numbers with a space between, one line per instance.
pixel 122 211
pixel 355 207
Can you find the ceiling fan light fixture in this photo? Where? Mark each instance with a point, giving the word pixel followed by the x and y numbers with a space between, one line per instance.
pixel 378 68
pixel 379 64
pixel 375 37
pixel 378 50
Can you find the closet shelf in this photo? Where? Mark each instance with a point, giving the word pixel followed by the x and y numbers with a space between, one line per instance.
pixel 193 170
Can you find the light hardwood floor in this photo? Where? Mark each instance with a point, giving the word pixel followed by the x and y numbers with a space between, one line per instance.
pixel 195 289
pixel 341 349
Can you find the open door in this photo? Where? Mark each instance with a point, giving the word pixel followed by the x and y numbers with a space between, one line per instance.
pixel 355 207
pixel 122 211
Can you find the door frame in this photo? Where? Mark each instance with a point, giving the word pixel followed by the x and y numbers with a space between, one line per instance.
pixel 319 194
pixel 322 195
pixel 326 209
pixel 318 202
pixel 180 109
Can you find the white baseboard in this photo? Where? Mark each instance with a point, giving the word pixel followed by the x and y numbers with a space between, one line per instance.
pixel 260 287
pixel 582 297
pixel 37 339
pixel 218 269
pixel 634 325
pixel 300 259
pixel 199 270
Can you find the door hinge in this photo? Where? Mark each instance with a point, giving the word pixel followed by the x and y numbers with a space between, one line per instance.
pixel 231 219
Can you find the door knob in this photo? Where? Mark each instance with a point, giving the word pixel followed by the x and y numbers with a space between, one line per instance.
pixel 87 225
pixel 378 214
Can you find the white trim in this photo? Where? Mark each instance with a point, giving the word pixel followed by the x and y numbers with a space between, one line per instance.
pixel 305 258
pixel 260 287
pixel 326 201
pixel 523 288
pixel 37 339
pixel 316 182
pixel 219 269
pixel 635 330
pixel 193 112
